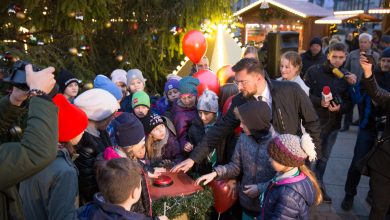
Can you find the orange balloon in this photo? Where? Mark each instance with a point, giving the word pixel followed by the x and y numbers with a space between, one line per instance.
pixel 224 74
pixel 194 45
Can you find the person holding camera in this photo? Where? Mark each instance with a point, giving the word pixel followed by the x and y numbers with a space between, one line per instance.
pixel 37 147
pixel 329 94
pixel 379 162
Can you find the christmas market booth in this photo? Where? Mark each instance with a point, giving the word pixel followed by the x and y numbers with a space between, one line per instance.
pixel 264 16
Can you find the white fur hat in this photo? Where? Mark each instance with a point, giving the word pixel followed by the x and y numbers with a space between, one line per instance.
pixel 98 104
pixel 119 75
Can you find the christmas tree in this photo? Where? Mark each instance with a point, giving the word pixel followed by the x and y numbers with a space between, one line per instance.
pixel 90 37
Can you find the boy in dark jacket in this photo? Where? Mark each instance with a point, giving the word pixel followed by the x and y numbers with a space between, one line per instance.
pixel 250 158
pixel 329 111
pixel 119 181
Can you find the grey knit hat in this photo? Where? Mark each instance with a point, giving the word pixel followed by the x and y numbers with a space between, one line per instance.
pixel 134 74
pixel 208 102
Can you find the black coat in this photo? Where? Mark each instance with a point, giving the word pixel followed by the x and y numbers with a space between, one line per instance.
pixel 309 60
pixel 290 107
pixel 316 78
pixel 88 149
pixel 380 161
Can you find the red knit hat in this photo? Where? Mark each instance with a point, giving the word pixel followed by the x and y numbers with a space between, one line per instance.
pixel 71 120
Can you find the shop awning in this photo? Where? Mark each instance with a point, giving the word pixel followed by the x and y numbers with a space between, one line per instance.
pixel 298 7
pixel 339 18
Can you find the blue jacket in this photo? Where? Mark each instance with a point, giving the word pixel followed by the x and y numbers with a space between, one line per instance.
pixel 99 209
pixel 288 199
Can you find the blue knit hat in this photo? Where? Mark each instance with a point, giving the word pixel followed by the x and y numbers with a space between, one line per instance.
pixel 386 53
pixel 103 82
pixel 171 84
pixel 188 85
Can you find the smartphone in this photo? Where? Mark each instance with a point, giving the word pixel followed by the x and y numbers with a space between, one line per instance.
pixel 370 58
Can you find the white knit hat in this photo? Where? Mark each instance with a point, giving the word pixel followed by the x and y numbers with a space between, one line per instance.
pixel 119 75
pixel 98 104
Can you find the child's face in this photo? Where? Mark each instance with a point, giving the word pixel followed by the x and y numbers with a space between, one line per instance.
pixel 76 139
pixel 188 100
pixel 72 89
pixel 206 117
pixel 138 150
pixel 277 166
pixel 158 133
pixel 173 94
pixel 141 111
pixel 245 128
pixel 136 85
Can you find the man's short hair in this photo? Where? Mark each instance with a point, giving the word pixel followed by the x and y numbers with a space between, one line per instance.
pixel 117 179
pixel 365 35
pixel 251 65
pixel 338 47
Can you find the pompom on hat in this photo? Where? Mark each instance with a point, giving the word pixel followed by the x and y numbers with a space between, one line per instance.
pixel 292 151
pixel 72 121
pixel 98 104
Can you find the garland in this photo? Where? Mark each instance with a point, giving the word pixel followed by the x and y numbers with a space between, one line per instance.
pixel 196 206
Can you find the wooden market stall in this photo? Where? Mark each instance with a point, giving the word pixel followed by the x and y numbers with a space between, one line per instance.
pixel 264 16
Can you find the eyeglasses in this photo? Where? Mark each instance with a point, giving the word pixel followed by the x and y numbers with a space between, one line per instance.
pixel 242 82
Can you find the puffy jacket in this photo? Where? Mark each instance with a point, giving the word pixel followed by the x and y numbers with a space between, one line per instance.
pixel 126 104
pixel 52 193
pixel 316 78
pixel 21 160
pixel 380 160
pixel 182 118
pixel 99 209
pixel 88 149
pixel 288 199
pixel 309 60
pixel 290 106
pixel 250 158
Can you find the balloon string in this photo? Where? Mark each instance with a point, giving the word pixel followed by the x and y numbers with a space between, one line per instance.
pixel 219 215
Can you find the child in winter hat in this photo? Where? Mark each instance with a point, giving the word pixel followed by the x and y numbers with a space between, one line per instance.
pixel 140 103
pixel 61 176
pixel 171 94
pixel 184 110
pixel 294 188
pixel 161 142
pixel 118 77
pixel 250 158
pixel 135 80
pixel 68 84
pixel 207 109
pixel 103 82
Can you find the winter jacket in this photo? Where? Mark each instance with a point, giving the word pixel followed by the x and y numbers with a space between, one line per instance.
pixel 88 149
pixel 99 209
pixel 52 193
pixel 288 199
pixel 309 60
pixel 380 160
pixel 352 63
pixel 21 160
pixel 126 104
pixel 250 159
pixel 290 106
pixel 164 107
pixel 316 78
pixel 182 118
pixel 144 204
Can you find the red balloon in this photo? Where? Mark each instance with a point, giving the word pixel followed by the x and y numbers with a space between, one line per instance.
pixel 224 74
pixel 194 45
pixel 222 201
pixel 208 80
pixel 225 108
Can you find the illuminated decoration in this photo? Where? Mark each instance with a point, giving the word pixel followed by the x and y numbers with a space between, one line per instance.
pixel 356 12
pixel 266 27
pixel 340 16
pixel 300 8
pixel 379 11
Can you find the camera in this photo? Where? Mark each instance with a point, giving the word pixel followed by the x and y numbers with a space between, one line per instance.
pixel 17 75
pixel 370 58
pixel 337 100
